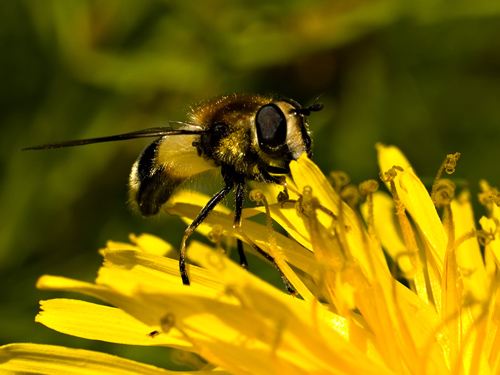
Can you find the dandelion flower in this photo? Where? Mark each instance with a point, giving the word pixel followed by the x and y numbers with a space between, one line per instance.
pixel 399 287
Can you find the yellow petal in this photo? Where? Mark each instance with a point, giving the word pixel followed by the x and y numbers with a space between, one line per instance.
pixel 257 296
pixel 387 229
pixel 57 360
pixel 98 322
pixel 272 191
pixel 48 282
pixel 306 174
pixel 152 244
pixel 469 258
pixel 389 232
pixel 490 226
pixel 287 319
pixel 288 218
pixel 389 156
pixel 252 327
pixel 147 263
pixel 416 200
pixel 292 252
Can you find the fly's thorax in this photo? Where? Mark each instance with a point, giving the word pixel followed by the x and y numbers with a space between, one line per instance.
pixel 230 139
pixel 231 144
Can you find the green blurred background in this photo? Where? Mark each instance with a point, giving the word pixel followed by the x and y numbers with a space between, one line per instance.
pixel 423 75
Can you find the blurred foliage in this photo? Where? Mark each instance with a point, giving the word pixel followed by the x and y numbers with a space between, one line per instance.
pixel 423 75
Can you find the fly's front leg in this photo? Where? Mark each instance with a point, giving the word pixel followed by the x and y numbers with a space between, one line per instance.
pixel 279 180
pixel 239 199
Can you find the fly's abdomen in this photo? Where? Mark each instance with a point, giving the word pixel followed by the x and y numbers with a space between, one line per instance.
pixel 161 168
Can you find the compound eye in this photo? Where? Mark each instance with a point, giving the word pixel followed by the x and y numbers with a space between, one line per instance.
pixel 271 128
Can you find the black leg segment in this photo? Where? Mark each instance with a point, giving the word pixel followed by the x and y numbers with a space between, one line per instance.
pixel 241 253
pixel 212 203
pixel 239 199
pixel 288 286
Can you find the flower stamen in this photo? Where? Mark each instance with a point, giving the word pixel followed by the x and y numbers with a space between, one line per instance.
pixel 290 279
pixel 418 284
pixel 215 236
pixel 449 164
pixel 488 196
pixel 339 179
pixel 444 192
pixel 368 188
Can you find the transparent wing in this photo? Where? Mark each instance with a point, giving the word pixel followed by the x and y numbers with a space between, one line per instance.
pixel 145 133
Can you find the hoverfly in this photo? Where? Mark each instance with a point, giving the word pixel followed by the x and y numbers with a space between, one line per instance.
pixel 246 137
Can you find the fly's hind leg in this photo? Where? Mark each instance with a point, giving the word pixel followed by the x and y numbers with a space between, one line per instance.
pixel 241 253
pixel 212 203
pixel 285 280
pixel 271 259
pixel 239 199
